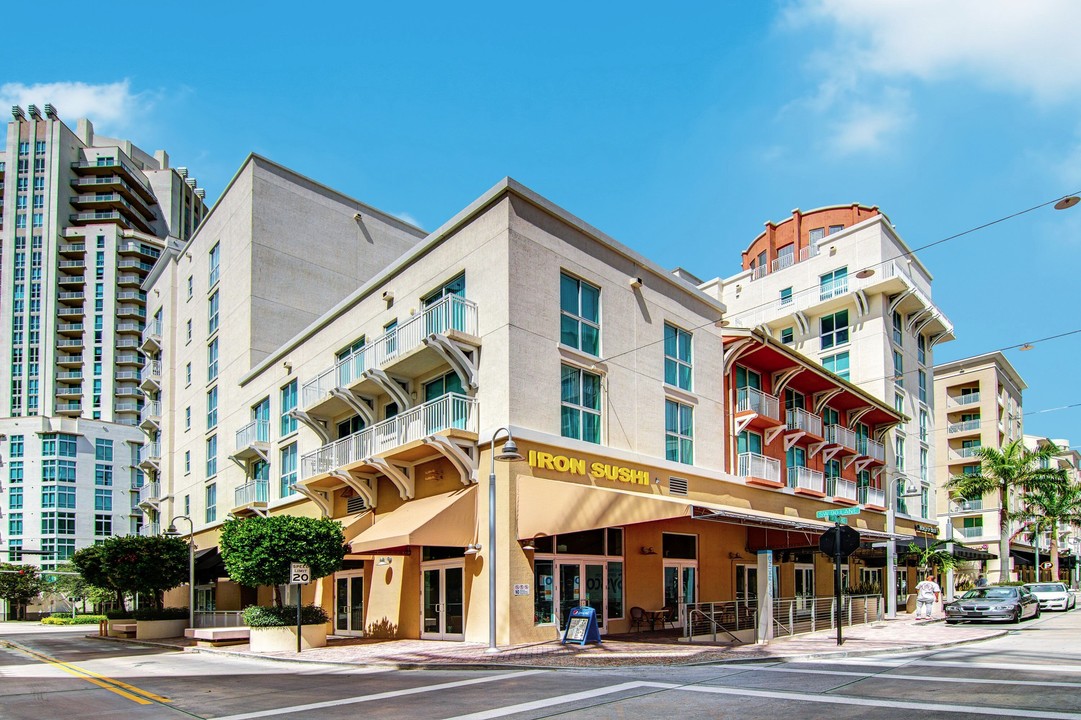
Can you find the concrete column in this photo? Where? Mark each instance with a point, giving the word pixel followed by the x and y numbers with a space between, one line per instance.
pixel 764 632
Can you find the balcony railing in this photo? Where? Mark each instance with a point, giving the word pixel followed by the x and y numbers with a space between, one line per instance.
pixel 805 421
pixel 257 431
pixel 151 371
pixel 966 426
pixel 969 399
pixel 257 491
pixel 833 288
pixel 841 488
pixel 149 492
pixel 450 313
pixel 840 435
pixel 968 452
pixel 147 529
pixel 759 466
pixel 801 478
pixel 152 332
pixel 151 412
pixel 751 400
pixel 971 532
pixel 967 505
pixel 443 413
pixel 872 496
pixel 782 262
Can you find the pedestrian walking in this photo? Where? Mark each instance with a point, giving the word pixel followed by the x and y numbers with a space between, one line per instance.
pixel 927 594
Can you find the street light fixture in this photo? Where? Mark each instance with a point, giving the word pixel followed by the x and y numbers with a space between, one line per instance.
pixel 509 453
pixel 171 531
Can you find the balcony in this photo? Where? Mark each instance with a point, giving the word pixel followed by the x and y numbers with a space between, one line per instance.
pixel 758 469
pixel 150 417
pixel 72 248
pixel 130 311
pixel 69 328
pixel 150 529
pixel 69 375
pixel 842 491
pixel 127 358
pixel 149 493
pixel 152 337
pixel 971 532
pixel 74 343
pixel 256 492
pixel 69 408
pixel 840 435
pixel 70 312
pixel 126 407
pixel 871 449
pixel 128 280
pixel 126 375
pixel 100 216
pixel 135 295
pixel 965 454
pixel 150 377
pixel 115 183
pixel 801 422
pixel 69 391
pixel 253 440
pixel 127 343
pixel 105 166
pixel 446 414
pixel 71 297
pixel 150 459
pixel 404 348
pixel 806 481
pixel 131 328
pixel 71 265
pixel 756 409
pixel 128 391
pixel 965 400
pixel 138 248
pixel 967 506
pixel 963 427
pixel 72 357
pixel 872 497
pixel 133 264
pixel 832 288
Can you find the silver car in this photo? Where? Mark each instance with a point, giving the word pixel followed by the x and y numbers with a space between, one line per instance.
pixel 1003 603
pixel 1053 596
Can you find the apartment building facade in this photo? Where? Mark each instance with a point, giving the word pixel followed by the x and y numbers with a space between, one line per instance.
pixel 617 382
pixel 84 217
pixel 1066 534
pixel 978 403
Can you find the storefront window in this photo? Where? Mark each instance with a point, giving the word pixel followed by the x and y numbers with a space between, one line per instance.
pixel 615 590
pixel 683 547
pixel 588 542
pixel 543 606
pixel 615 541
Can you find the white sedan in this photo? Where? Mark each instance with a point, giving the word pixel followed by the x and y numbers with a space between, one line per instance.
pixel 1053 596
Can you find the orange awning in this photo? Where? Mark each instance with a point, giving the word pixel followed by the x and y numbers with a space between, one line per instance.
pixel 448 520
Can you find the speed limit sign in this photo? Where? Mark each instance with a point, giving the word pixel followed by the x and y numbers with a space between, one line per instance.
pixel 299 574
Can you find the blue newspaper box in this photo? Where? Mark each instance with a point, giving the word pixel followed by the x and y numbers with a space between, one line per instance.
pixel 582 626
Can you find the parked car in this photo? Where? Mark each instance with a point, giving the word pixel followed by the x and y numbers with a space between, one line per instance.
pixel 1002 603
pixel 1053 596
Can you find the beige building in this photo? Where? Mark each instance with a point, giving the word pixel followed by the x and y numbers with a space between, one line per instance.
pixel 977 404
pixel 1069 536
pixel 381 407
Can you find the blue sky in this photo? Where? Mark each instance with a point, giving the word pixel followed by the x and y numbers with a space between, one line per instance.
pixel 678 129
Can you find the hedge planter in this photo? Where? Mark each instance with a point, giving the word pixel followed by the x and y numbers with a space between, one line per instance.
pixel 111 630
pixel 284 639
pixel 157 629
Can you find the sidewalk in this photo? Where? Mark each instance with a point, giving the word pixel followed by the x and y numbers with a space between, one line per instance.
pixel 903 634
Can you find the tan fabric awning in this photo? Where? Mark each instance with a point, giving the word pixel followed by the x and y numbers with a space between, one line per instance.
pixel 547 507
pixel 353 526
pixel 446 520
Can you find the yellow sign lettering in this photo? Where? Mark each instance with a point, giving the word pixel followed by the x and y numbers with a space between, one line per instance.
pixel 597 470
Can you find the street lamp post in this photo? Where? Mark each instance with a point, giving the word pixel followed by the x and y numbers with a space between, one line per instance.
pixel 173 532
pixel 509 453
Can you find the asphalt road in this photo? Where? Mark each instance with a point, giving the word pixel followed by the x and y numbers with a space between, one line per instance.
pixel 1035 672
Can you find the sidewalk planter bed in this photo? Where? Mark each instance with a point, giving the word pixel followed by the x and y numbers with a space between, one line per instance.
pixel 273 629
pixel 157 623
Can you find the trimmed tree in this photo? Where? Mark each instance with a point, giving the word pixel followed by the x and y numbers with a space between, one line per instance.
pixel 1014 468
pixel 258 550
pixel 19 584
pixel 148 565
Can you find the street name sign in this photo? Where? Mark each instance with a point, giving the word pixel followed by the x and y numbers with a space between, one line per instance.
pixel 837 512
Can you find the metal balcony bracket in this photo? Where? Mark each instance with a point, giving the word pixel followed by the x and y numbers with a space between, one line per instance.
pixel 781 378
pixel 816 448
pixel 318 497
pixel 765 330
pixel 791 438
pixel 820 399
pixel 403 482
pixel 925 313
pixel 742 422
pixel 462 365
pixel 935 339
pixel 242 464
pixel 862 463
pixel 773 432
pixel 863 306
pixel 390 387
pixel 317 426
pixel 462 461
pixel 830 452
pixel 802 321
pixel 847 460
pixel 876 472
pixel 898 299
pixel 365 486
pixel 855 414
pixel 735 351
pixel 356 403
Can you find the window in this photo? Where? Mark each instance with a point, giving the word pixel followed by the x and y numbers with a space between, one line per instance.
pixel 836 229
pixel 103 499
pixel 898 329
pixel 187 418
pixel 794 400
pixel 921 377
pixel 187 375
pixel 187 462
pixel 898 368
pixel 211 502
pixel 288 402
pixel 837 364
pixel 15 524
pixel 579 319
pixel 787 335
pixel 103 525
pixel 212 360
pixel 786 257
pixel 786 296
pixel 215 260
pixel 899 452
pixel 15 498
pixel 834 329
pixel 832 469
pixel 15 472
pixel 212 314
pixel 187 505
pixel 191 287
pixel 103 450
pixel 749 442
pixel 212 408
pixel 924 421
pixel 212 456
pixel 923 465
pixel 580 412
pixel 921 349
pixel 899 402
pixel 816 234
pixel 187 332
pixel 103 475
pixel 748 378
pixel 678 432
pixel 677 357
pixel 833 284
pixel 289 470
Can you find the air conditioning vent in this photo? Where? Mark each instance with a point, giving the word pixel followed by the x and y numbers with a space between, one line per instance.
pixel 355 505
pixel 677 486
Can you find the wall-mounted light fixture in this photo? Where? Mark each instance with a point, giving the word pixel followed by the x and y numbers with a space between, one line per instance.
pixel 734 556
pixel 288 366
pixel 382 562
pixel 636 282
pixel 472 548
pixel 648 550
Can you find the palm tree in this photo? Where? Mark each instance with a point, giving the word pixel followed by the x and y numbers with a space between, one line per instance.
pixel 1046 508
pixel 1013 468
pixel 935 556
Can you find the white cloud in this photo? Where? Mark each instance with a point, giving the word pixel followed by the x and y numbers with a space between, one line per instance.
pixel 408 218
pixel 109 106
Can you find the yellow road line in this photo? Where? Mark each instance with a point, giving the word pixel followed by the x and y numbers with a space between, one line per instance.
pixel 113 685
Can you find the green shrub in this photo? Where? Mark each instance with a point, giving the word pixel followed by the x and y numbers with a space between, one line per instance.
pixel 1010 583
pixel 284 616
pixel 69 620
pixel 119 614
pixel 169 613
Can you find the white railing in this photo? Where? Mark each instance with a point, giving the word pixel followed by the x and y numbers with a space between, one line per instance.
pixel 965 426
pixel 149 491
pixel 783 261
pixel 759 466
pixel 871 448
pixel 971 532
pixel 150 411
pixel 152 370
pixel 749 399
pixel 872 496
pixel 759 272
pixel 968 505
pixel 450 313
pixel 840 435
pixel 808 252
pixel 801 478
pixel 970 399
pixel 257 431
pixel 127 407
pixel 148 529
pixel 967 452
pixel 150 452
pixel 841 488
pixel 833 288
pixel 152 331
pixel 257 491
pixel 449 411
pixel 805 421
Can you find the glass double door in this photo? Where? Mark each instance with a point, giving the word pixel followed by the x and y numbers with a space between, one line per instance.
pixel 680 588
pixel 805 586
pixel 580 583
pixel 443 601
pixel 349 605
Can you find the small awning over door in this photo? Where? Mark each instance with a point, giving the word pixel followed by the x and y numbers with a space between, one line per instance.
pixel 448 520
